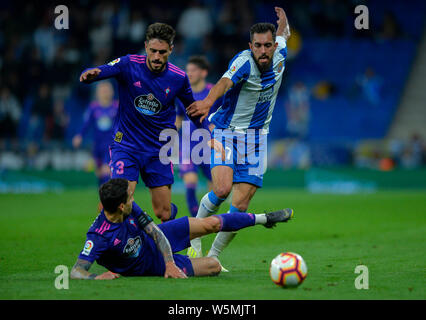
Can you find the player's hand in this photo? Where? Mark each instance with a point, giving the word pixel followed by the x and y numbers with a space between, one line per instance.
pixel 218 147
pixel 76 141
pixel 90 74
pixel 173 271
pixel 282 22
pixel 199 108
pixel 107 276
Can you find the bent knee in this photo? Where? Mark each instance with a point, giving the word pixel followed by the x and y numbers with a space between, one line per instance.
pixel 222 191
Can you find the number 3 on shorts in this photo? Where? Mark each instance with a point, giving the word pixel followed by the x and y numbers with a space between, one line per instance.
pixel 119 165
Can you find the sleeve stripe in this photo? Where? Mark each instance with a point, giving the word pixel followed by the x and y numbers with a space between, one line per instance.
pixel 240 69
pixel 137 61
pixel 135 56
pixel 176 70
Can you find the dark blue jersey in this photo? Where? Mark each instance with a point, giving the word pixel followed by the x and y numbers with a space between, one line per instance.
pixel 146 101
pixel 100 119
pixel 123 247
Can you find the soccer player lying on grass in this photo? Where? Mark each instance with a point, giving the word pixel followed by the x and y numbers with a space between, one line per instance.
pixel 126 241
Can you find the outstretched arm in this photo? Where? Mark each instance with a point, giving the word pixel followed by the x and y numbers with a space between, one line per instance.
pixel 202 107
pixel 81 271
pixel 163 245
pixel 90 75
pixel 105 71
pixel 283 26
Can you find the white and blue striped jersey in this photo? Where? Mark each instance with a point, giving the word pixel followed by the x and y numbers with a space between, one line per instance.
pixel 250 102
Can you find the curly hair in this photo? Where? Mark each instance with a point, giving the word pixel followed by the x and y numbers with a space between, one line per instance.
pixel 161 31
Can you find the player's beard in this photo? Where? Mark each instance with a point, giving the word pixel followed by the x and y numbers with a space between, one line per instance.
pixel 263 66
pixel 158 68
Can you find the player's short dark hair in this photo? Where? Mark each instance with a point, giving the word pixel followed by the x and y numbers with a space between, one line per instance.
pixel 200 61
pixel 161 31
pixel 263 27
pixel 113 193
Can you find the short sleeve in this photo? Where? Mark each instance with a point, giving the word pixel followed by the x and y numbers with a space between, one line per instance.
pixel 93 248
pixel 239 69
pixel 141 216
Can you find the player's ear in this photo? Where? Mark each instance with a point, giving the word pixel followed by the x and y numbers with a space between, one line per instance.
pixel 250 46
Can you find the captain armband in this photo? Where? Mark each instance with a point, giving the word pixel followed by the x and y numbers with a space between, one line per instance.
pixel 144 219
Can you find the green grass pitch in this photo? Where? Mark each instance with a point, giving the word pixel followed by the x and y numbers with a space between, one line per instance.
pixel 384 231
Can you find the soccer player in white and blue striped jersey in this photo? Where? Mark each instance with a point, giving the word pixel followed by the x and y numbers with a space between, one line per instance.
pixel 250 88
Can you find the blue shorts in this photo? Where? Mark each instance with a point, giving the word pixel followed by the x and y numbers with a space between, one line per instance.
pixel 128 164
pixel 244 153
pixel 177 232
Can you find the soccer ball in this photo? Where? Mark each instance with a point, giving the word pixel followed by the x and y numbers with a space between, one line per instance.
pixel 288 270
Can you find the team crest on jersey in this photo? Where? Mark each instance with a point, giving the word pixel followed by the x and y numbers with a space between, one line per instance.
pixel 148 104
pixel 118 136
pixel 280 66
pixel 233 68
pixel 113 62
pixel 133 247
pixel 88 246
pixel 132 222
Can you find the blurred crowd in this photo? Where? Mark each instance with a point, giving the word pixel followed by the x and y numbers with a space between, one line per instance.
pixel 40 65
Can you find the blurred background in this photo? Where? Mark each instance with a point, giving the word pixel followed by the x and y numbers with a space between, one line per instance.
pixel 350 115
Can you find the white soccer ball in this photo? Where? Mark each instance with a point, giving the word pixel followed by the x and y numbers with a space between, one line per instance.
pixel 288 270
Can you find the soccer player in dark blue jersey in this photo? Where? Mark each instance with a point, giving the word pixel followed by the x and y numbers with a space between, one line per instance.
pixel 126 241
pixel 100 118
pixel 197 70
pixel 148 86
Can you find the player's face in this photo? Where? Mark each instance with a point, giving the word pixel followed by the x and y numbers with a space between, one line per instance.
pixel 195 74
pixel 104 93
pixel 157 52
pixel 263 47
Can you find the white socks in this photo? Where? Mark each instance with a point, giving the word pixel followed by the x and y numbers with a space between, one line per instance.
pixel 205 209
pixel 221 242
pixel 260 218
